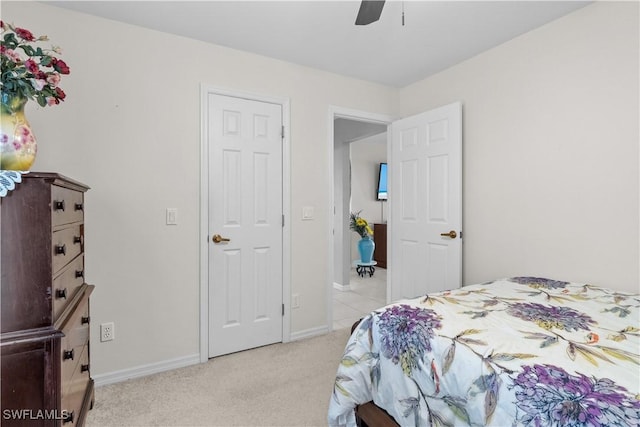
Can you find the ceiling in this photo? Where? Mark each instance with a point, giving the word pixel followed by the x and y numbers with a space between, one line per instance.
pixel 348 130
pixel 322 34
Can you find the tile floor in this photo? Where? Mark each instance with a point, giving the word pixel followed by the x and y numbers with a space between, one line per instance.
pixel 366 294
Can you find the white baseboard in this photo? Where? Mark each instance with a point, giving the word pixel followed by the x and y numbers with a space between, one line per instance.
pixel 144 370
pixel 308 333
pixel 341 287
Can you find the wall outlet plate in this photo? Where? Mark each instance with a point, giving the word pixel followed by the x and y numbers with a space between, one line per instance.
pixel 107 331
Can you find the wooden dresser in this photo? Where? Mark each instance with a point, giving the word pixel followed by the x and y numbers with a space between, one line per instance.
pixel 44 329
pixel 380 237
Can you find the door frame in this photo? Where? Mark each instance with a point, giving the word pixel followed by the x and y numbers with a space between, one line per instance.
pixel 205 91
pixel 336 112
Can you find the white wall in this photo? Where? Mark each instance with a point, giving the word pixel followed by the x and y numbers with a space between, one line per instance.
pixel 130 128
pixel 550 149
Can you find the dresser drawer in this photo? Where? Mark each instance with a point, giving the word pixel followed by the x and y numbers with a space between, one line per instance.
pixel 66 244
pixel 73 397
pixel 77 378
pixel 72 368
pixel 66 284
pixel 67 206
pixel 75 342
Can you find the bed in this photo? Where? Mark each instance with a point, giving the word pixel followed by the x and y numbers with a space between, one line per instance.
pixel 520 351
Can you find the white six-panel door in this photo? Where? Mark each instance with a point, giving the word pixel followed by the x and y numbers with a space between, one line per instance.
pixel 426 203
pixel 245 211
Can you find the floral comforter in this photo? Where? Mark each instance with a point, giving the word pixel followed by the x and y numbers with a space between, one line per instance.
pixel 523 351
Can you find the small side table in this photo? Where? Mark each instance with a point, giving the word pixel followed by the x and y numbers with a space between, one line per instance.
pixel 363 268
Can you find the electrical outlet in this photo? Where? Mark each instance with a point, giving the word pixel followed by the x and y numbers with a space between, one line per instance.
pixel 295 301
pixel 107 331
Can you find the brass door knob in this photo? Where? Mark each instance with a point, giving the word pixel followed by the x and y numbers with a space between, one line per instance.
pixel 218 238
pixel 452 234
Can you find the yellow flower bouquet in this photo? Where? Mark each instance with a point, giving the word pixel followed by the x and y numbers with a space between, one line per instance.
pixel 360 225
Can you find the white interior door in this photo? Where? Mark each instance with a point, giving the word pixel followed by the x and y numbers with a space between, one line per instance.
pixel 245 211
pixel 425 184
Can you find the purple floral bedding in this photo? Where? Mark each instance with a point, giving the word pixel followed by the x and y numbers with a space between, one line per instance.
pixel 523 351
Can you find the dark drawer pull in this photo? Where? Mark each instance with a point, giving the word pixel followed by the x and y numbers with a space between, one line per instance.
pixel 58 205
pixel 68 354
pixel 79 273
pixel 84 368
pixel 61 249
pixel 77 239
pixel 61 293
pixel 85 320
pixel 79 206
pixel 68 418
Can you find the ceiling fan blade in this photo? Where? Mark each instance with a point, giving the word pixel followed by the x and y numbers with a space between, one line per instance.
pixel 370 11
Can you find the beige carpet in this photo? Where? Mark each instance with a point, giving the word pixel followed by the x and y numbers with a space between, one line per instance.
pixel 277 385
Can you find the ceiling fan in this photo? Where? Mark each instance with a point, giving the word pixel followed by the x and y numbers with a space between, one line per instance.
pixel 370 11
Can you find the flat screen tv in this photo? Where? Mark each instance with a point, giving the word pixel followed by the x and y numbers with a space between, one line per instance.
pixel 382 182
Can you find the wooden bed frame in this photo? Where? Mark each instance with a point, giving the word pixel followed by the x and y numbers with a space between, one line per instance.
pixel 370 415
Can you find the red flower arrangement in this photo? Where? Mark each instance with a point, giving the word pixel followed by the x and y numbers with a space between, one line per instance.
pixel 28 71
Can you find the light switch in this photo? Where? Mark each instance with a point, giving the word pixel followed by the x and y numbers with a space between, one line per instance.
pixel 307 212
pixel 172 216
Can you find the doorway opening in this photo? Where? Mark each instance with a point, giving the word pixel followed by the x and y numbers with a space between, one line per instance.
pixel 425 185
pixel 359 146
